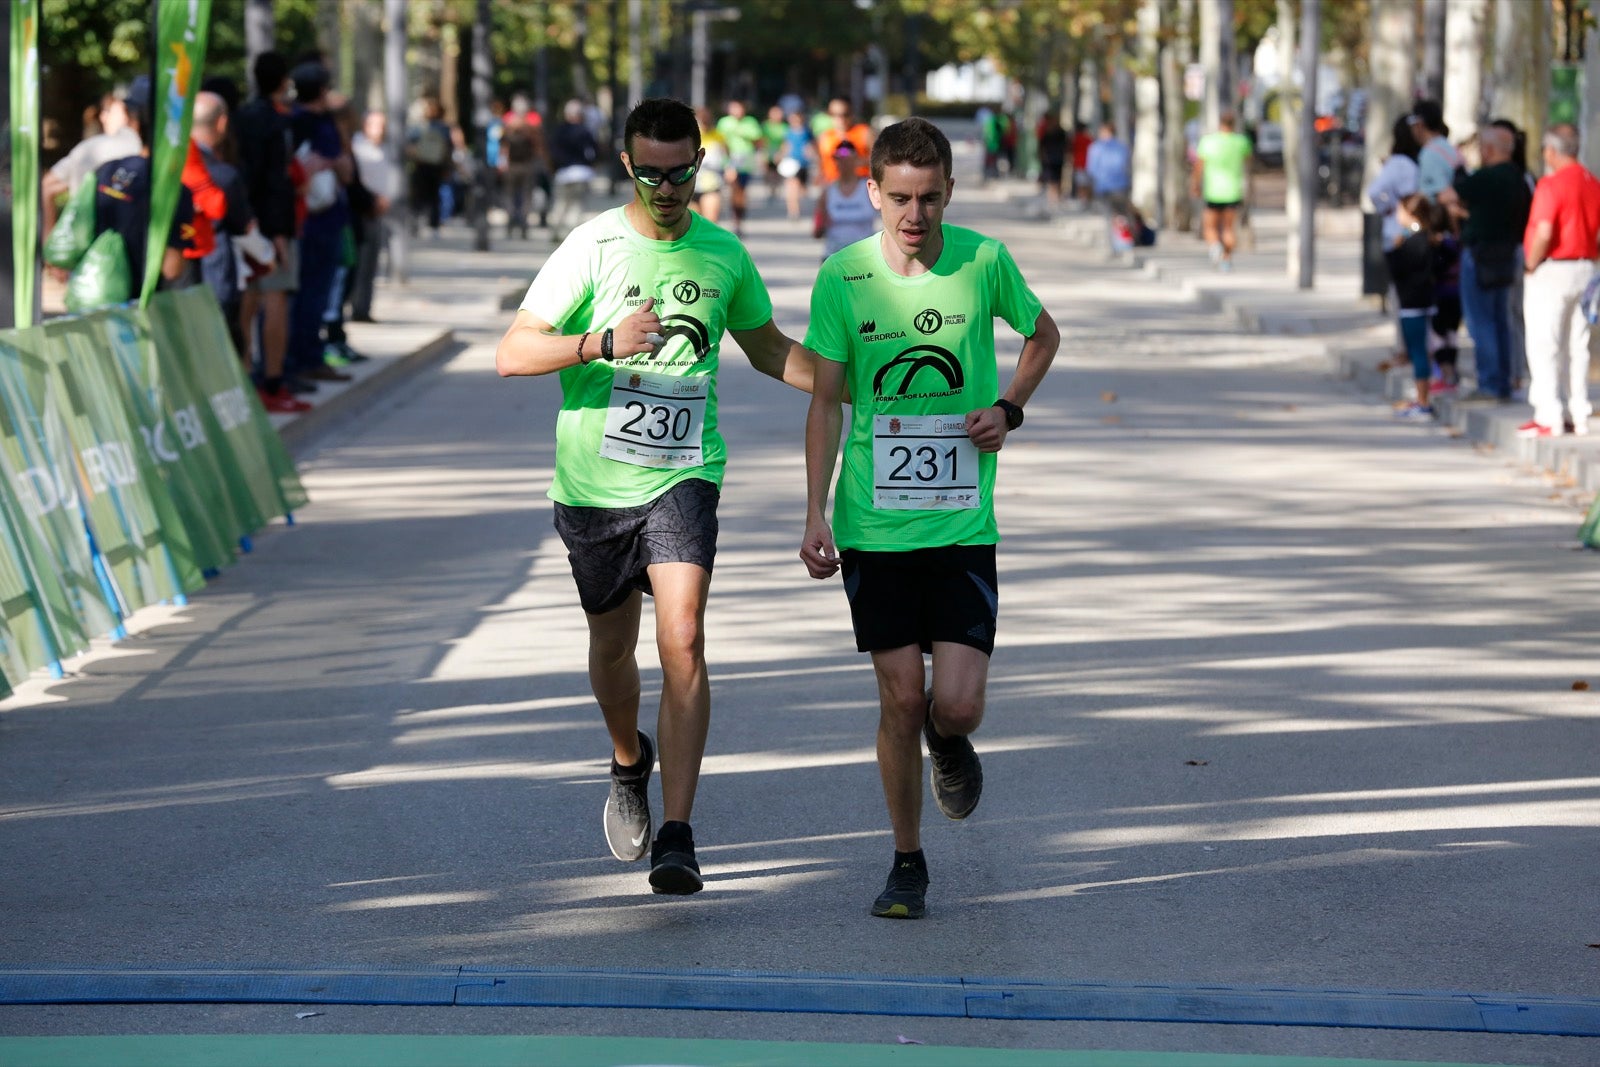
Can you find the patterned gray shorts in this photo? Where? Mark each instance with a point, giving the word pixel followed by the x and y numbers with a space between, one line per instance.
pixel 611 549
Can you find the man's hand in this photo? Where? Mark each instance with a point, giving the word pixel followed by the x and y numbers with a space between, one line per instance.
pixel 638 333
pixel 817 551
pixel 987 428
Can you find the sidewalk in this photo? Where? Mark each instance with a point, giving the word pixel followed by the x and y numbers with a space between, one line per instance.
pixel 1358 339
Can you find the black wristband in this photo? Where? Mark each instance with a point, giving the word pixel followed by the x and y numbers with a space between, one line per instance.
pixel 605 345
pixel 1013 413
pixel 581 342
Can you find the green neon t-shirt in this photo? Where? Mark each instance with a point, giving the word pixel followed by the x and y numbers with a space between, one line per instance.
pixel 915 350
pixel 1222 177
pixel 741 134
pixel 704 284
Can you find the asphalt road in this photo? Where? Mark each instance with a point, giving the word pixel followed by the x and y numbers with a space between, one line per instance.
pixel 1283 696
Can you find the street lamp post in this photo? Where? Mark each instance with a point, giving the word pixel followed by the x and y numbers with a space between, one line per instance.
pixel 702 12
pixel 1310 45
pixel 394 91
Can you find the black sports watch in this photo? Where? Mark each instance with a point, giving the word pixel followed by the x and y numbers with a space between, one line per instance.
pixel 1013 413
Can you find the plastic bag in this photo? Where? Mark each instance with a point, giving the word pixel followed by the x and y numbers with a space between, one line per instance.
pixel 103 276
pixel 74 229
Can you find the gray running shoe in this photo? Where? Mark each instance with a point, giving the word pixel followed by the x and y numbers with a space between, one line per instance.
pixel 957 776
pixel 627 816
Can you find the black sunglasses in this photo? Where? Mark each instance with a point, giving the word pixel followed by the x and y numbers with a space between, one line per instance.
pixel 654 176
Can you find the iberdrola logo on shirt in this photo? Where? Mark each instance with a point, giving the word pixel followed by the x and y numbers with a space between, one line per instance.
pixel 918 372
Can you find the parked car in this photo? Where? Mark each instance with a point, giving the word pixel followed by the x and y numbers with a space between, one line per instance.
pixel 1269 144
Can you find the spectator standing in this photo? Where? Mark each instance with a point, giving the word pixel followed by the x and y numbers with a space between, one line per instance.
pixel 1561 244
pixel 573 152
pixel 842 126
pixel 1111 177
pixel 1222 181
pixel 121 204
pixel 219 268
pixel 1396 180
pixel 261 133
pixel 116 140
pixel 844 209
pixel 429 150
pixel 1052 141
pixel 379 176
pixel 320 150
pixel 1081 142
pixel 1494 202
pixel 1411 267
pixel 336 350
pixel 522 157
pixel 1437 158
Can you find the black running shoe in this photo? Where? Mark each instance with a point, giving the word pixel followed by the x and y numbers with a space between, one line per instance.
pixel 957 775
pixel 627 816
pixel 904 895
pixel 673 868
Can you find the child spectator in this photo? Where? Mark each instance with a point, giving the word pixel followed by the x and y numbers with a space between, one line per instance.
pixel 1411 264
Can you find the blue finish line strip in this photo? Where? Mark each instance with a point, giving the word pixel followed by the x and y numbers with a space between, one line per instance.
pixel 973 998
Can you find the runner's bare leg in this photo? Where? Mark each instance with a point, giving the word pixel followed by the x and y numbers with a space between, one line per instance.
pixel 902 701
pixel 614 675
pixel 680 591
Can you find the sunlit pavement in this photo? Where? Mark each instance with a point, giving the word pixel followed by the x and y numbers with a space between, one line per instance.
pixel 1284 698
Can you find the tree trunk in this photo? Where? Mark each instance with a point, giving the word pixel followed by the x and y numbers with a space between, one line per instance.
pixel 1590 120
pixel 1089 109
pixel 1393 62
pixel 1433 31
pixel 1522 68
pixel 1146 189
pixel 1465 46
pixel 396 96
pixel 1217 55
pixel 329 38
pixel 367 34
pixel 1291 99
pixel 259 30
pixel 1175 53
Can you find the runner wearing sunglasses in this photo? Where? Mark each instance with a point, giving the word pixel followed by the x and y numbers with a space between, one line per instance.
pixel 630 311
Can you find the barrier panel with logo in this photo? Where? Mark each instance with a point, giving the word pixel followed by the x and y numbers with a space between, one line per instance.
pixel 134 458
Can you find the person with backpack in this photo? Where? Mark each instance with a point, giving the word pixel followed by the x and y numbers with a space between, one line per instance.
pixel 428 149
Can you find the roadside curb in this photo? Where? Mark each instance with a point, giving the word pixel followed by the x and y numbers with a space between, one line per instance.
pixel 300 431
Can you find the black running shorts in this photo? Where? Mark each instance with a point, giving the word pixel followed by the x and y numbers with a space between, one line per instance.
pixel 610 549
pixel 1231 205
pixel 919 597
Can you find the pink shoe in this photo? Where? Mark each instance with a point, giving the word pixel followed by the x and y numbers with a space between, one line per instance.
pixel 1535 429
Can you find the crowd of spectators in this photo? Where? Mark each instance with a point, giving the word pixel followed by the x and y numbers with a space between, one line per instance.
pixel 1472 234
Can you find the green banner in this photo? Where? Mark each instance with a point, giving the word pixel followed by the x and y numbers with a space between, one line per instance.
pixel 190 332
pixel 25 156
pixel 130 509
pixel 181 30
pixel 37 468
pixel 169 419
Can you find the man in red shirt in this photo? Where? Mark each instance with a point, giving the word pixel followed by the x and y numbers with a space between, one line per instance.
pixel 1560 248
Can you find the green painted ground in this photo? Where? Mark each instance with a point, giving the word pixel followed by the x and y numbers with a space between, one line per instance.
pixel 233 1050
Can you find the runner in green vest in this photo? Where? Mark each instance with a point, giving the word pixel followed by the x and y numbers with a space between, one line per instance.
pixel 630 311
pixel 905 320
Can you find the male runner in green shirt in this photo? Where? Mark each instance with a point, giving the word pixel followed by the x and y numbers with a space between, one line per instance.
pixel 905 319
pixel 1221 180
pixel 630 311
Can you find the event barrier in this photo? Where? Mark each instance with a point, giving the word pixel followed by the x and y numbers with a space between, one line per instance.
pixel 135 459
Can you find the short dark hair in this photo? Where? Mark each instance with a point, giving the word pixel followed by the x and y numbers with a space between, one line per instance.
pixel 663 119
pixel 915 141
pixel 269 71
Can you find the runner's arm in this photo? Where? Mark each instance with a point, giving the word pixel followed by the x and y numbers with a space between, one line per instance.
pixel 824 421
pixel 987 426
pixel 532 346
pixel 777 355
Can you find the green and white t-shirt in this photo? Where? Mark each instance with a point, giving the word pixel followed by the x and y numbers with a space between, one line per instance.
pixel 918 354
pixel 631 429
pixel 1224 155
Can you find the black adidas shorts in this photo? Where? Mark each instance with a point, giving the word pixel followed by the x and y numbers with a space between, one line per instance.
pixel 610 549
pixel 919 597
